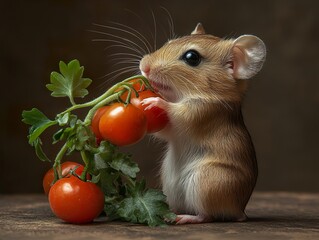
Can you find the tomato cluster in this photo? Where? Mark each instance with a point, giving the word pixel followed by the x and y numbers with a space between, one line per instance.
pixel 125 124
pixel 78 193
pixel 121 123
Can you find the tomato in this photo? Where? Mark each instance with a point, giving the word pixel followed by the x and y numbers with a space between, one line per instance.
pixel 157 118
pixel 136 85
pixel 123 125
pixel 65 167
pixel 76 201
pixel 96 120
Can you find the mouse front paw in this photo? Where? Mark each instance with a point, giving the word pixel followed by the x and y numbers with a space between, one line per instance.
pixel 155 102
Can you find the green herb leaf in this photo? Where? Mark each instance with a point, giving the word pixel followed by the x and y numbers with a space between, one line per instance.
pixel 104 155
pixel 82 136
pixel 109 182
pixel 70 82
pixel 146 206
pixel 111 207
pixel 39 152
pixel 66 119
pixel 38 121
pixel 79 137
pixel 63 134
pixel 122 162
pixel 63 119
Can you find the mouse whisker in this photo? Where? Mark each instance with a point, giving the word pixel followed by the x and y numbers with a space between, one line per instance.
pixel 131 31
pixel 119 70
pixel 125 58
pixel 128 70
pixel 134 56
pixel 155 30
pixel 125 61
pixel 170 21
pixel 120 46
pixel 124 47
pixel 113 59
pixel 142 21
pixel 115 74
pixel 122 40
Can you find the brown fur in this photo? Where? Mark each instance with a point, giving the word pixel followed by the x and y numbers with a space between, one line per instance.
pixel 229 168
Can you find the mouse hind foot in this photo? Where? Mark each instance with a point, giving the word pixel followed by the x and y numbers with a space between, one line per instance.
pixel 242 218
pixel 187 219
pixel 193 219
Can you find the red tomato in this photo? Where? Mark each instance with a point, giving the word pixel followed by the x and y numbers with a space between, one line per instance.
pixel 96 120
pixel 123 125
pixel 75 201
pixel 157 118
pixel 66 167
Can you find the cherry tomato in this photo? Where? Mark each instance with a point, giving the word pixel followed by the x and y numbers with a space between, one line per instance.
pixel 96 120
pixel 76 201
pixel 157 118
pixel 123 125
pixel 66 167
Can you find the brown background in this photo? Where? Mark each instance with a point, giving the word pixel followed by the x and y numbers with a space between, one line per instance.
pixel 281 108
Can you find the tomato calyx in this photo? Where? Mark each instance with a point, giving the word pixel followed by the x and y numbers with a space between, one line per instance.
pixel 73 173
pixel 134 87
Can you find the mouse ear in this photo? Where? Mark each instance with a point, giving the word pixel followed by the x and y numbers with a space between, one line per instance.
pixel 199 29
pixel 249 54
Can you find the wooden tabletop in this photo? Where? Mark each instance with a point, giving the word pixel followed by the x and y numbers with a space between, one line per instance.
pixel 272 215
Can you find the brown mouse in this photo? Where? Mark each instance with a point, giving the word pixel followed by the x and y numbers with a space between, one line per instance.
pixel 210 169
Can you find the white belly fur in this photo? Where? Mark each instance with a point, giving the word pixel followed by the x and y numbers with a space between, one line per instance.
pixel 180 178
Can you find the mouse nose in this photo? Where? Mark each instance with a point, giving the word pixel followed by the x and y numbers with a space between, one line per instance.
pixel 145 69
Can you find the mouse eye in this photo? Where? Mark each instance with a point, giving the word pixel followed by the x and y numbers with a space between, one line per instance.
pixel 192 58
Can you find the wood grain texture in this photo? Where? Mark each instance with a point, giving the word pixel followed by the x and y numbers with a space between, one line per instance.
pixel 272 215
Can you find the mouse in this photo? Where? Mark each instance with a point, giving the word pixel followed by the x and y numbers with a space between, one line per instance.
pixel 209 169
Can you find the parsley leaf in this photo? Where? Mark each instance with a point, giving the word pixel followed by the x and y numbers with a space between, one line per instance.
pixel 39 152
pixel 122 162
pixel 146 206
pixel 69 83
pixel 38 121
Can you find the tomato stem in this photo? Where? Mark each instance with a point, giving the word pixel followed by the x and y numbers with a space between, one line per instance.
pixel 111 98
pixel 107 94
pixel 57 163
pixel 128 98
pixel 87 165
